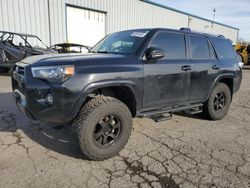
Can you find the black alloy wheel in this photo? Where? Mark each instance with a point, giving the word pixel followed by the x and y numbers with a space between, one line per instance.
pixel 107 130
pixel 219 102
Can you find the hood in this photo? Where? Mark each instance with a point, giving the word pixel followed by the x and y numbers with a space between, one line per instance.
pixel 78 59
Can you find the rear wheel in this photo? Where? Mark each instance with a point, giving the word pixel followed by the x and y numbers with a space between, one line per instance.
pixel 103 127
pixel 218 103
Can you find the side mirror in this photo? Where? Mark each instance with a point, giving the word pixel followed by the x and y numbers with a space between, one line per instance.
pixel 155 54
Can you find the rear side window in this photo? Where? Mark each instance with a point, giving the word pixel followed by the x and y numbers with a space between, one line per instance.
pixel 173 44
pixel 199 47
pixel 224 48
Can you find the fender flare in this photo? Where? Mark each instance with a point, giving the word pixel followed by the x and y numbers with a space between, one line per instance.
pixel 95 85
pixel 217 79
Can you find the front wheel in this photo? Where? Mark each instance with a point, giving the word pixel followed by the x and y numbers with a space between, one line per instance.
pixel 103 127
pixel 218 103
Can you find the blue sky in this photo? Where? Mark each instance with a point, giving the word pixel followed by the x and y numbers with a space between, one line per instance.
pixel 231 12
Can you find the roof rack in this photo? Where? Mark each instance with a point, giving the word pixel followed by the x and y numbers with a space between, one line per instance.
pixel 185 29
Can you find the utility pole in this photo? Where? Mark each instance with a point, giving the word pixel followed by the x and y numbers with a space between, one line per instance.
pixel 214 12
pixel 189 21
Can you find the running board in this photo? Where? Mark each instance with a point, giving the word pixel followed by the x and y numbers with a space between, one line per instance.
pixel 193 111
pixel 170 110
pixel 161 117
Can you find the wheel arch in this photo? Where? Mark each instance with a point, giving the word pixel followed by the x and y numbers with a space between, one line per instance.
pixel 227 79
pixel 122 90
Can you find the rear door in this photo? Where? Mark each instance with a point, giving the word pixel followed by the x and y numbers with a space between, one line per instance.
pixel 167 80
pixel 205 67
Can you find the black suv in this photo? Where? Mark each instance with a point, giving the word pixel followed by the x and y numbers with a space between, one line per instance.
pixel 142 72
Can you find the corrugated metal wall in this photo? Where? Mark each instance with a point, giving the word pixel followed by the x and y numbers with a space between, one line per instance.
pixel 32 16
pixel 209 27
pixel 120 14
pixel 25 16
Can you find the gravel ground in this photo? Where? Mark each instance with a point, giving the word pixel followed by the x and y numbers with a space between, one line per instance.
pixel 182 152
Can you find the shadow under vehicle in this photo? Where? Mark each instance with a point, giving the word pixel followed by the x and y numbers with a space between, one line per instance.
pixel 16 46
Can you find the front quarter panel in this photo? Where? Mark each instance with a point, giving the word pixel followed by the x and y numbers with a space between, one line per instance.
pixel 69 96
pixel 96 76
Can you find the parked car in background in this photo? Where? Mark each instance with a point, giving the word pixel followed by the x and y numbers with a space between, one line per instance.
pixel 63 48
pixel 16 46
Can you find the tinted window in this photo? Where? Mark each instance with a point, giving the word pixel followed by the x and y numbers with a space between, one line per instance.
pixel 199 47
pixel 173 45
pixel 223 48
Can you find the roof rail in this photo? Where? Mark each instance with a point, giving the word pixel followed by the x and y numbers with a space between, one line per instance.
pixel 185 29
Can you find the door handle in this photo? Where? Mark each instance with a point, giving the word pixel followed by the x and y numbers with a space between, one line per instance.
pixel 186 68
pixel 216 67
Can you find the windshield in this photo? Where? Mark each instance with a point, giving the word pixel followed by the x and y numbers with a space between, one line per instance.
pixel 35 42
pixel 124 42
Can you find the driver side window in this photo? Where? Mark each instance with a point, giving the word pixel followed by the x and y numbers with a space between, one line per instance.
pixel 173 44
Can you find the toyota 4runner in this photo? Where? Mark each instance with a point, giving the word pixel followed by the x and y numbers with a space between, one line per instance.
pixel 142 72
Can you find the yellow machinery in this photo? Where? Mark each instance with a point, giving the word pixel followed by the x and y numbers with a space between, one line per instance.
pixel 243 50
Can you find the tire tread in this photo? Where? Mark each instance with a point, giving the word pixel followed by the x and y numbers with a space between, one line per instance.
pixel 86 112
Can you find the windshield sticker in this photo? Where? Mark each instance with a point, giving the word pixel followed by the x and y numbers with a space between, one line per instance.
pixel 139 34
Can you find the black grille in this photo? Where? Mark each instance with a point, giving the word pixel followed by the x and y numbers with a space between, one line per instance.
pixel 20 70
pixel 18 79
pixel 18 74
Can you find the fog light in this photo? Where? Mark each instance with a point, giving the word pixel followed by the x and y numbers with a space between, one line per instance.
pixel 49 99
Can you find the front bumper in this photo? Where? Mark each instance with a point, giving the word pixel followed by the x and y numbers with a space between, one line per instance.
pixel 30 95
pixel 21 103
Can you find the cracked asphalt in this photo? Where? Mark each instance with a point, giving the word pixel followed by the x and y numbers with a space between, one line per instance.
pixel 186 151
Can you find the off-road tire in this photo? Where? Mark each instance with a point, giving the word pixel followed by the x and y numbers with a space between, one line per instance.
pixel 208 107
pixel 87 119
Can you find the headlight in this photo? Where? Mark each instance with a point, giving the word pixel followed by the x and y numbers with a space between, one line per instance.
pixel 54 73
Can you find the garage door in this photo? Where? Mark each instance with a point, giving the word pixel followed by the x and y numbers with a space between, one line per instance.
pixel 84 26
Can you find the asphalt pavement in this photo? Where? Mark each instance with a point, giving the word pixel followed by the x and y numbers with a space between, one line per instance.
pixel 186 151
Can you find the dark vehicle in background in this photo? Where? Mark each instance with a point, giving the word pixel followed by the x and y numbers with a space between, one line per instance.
pixel 63 48
pixel 143 72
pixel 16 46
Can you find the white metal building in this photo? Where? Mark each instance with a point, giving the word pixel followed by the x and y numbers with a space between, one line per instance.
pixel 87 21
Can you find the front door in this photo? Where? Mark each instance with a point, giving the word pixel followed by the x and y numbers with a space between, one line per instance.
pixel 167 80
